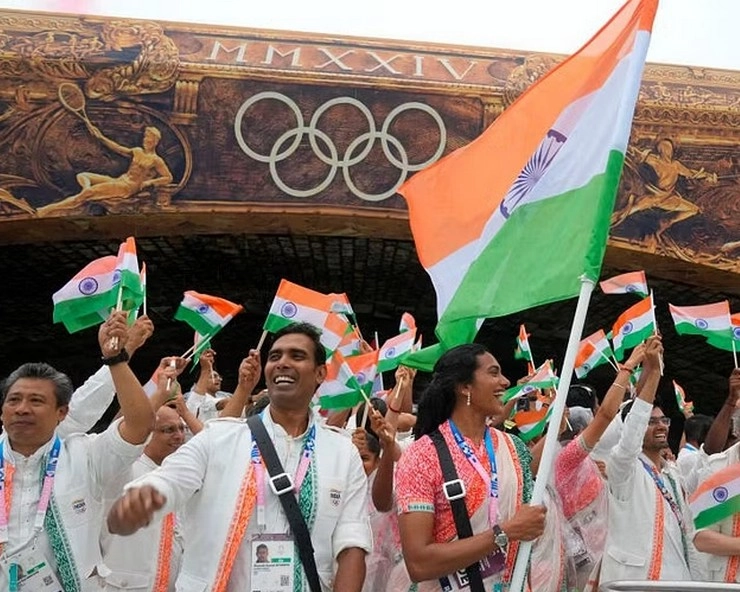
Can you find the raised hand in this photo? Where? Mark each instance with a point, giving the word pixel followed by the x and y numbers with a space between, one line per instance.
pixel 113 334
pixel 527 524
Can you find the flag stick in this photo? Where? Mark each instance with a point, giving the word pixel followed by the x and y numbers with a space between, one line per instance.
pixel 357 326
pixel 261 342
pixel 655 323
pixel 734 352
pixel 397 390
pixel 551 439
pixel 189 351
pixel 365 413
pixel 380 374
pixel 119 306
pixel 173 364
pixel 603 355
pixel 143 304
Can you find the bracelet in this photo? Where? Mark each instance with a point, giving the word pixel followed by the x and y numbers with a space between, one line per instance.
pixel 394 410
pixel 626 368
pixel 624 388
pixel 120 357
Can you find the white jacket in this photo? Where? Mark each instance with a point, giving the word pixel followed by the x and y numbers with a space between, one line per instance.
pixel 638 512
pixel 86 466
pixel 202 480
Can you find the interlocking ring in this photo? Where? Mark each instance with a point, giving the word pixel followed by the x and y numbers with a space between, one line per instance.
pixel 357 151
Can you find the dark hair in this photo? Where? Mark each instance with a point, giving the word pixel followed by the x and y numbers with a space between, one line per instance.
pixel 373 444
pixel 697 427
pixel 455 367
pixel 309 331
pixel 262 546
pixel 628 407
pixel 63 388
pixel 581 395
pixel 377 404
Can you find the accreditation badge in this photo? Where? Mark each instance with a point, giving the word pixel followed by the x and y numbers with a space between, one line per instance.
pixel 272 563
pixel 28 571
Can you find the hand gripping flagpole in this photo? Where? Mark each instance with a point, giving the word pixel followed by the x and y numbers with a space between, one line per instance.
pixel 551 439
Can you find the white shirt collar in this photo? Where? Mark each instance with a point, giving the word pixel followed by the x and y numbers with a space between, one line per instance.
pixel 276 430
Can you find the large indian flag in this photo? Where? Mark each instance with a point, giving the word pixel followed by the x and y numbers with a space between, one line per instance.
pixel 86 300
pixel 206 314
pixel 296 304
pixel 486 217
pixel 716 498
pixel 633 326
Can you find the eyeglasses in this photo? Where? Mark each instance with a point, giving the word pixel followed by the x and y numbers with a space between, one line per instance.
pixel 653 421
pixel 169 430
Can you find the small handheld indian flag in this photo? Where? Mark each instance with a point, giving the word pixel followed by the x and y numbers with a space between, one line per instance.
pixel 543 378
pixel 364 368
pixel 142 282
pixel 711 321
pixel 296 304
pixel 206 314
pixel 350 344
pixel 523 351
pixel 407 322
pixel 87 298
pixel 684 406
pixel 633 326
pixel 593 351
pixel 340 389
pixel 130 294
pixel 716 498
pixel 394 350
pixel 633 282
pixel 335 328
pixel 532 423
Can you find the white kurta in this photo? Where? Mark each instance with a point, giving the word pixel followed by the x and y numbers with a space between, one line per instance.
pixel 88 403
pixel 205 475
pixel 688 463
pixel 86 465
pixel 133 560
pixel 633 499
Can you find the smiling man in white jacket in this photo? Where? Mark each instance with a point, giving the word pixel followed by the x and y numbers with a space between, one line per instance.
pixel 215 479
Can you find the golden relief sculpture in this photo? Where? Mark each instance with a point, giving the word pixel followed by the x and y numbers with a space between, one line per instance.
pixel 662 194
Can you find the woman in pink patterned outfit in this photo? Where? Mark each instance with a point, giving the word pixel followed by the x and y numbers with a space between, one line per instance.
pixel 580 485
pixel 466 388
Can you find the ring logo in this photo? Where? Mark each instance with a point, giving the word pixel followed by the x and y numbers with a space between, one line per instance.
pixel 324 148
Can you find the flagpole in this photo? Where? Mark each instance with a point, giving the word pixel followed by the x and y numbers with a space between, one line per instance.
pixel 119 306
pixel 377 345
pixel 734 352
pixel 551 439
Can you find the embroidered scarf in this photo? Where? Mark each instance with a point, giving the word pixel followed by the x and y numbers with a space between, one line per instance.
pixel 69 576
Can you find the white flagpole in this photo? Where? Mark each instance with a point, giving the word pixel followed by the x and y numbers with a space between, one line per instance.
pixel 734 352
pixel 655 324
pixel 551 439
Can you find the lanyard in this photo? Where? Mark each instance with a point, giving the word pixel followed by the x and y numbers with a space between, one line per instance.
pixel 309 444
pixel 664 491
pixel 690 447
pixel 44 497
pixel 491 479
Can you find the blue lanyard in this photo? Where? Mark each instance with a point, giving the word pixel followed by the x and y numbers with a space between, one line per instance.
pixel 476 464
pixel 660 484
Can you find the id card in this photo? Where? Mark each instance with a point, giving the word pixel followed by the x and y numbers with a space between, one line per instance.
pixel 489 566
pixel 272 563
pixel 29 571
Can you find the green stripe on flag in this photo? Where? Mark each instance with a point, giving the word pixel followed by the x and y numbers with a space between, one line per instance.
pixel 506 279
pixel 196 320
pixel 717 513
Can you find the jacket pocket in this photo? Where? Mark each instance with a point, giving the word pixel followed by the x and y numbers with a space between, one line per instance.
pixel 122 580
pixel 190 583
pixel 625 558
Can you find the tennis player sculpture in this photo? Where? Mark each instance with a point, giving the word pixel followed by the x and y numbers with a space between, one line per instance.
pixel 147 168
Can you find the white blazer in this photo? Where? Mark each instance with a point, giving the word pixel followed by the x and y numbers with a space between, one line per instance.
pixel 202 480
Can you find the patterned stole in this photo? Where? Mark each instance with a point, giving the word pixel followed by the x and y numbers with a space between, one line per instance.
pixel 307 502
pixel 238 528
pixel 69 576
pixel 164 558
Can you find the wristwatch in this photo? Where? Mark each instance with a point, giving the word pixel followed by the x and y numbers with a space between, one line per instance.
pixel 120 357
pixel 500 538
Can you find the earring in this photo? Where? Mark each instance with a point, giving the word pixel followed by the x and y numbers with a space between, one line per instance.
pixel 468 403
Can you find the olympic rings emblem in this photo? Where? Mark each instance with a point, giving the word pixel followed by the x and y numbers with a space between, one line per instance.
pixel 286 145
